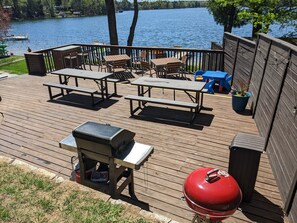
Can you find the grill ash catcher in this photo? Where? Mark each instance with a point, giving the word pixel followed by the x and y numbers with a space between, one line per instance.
pixel 114 149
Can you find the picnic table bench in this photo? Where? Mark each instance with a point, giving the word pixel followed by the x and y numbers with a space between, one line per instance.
pixel 99 78
pixel 160 101
pixel 69 88
pixel 187 86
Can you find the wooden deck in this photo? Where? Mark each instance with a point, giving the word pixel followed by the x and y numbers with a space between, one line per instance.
pixel 33 126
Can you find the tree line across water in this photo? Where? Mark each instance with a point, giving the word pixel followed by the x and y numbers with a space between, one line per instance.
pixel 31 9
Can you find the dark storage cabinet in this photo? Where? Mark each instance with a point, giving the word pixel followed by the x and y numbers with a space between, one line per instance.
pixel 245 154
pixel 35 64
pixel 60 53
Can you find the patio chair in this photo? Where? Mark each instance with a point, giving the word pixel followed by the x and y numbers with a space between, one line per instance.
pixel 83 58
pixel 101 64
pixel 173 69
pixel 116 67
pixel 198 75
pixel 146 68
pixel 71 60
pixel 184 62
pixel 137 60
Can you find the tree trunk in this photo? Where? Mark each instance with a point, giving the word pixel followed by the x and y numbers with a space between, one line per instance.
pixel 256 29
pixel 133 25
pixel 257 24
pixel 231 17
pixel 112 24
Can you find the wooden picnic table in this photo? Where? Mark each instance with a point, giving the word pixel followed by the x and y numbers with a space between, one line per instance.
pixel 160 63
pixel 112 58
pixel 182 85
pixel 99 77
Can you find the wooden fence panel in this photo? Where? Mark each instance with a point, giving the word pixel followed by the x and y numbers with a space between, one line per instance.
pixel 282 144
pixel 243 65
pixel 270 88
pixel 259 66
pixel 230 46
pixel 272 74
pixel 238 59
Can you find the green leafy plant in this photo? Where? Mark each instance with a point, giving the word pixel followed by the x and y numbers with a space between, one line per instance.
pixel 242 91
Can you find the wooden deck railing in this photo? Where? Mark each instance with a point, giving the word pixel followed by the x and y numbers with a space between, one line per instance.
pixel 197 59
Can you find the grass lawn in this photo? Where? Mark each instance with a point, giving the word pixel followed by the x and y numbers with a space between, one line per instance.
pixel 14 65
pixel 27 197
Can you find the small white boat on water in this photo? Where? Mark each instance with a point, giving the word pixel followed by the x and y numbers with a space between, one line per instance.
pixel 17 38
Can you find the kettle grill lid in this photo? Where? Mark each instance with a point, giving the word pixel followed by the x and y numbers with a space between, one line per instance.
pixel 212 189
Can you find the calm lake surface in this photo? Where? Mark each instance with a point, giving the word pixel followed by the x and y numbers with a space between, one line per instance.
pixel 189 28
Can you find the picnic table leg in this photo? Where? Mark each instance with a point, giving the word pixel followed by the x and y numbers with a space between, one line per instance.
pixel 102 89
pixel 140 93
pixel 198 101
pixel 76 82
pixel 106 87
pixel 60 79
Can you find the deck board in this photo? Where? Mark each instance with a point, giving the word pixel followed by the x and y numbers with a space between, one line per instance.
pixel 33 127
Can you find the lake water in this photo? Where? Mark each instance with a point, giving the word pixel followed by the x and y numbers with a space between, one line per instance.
pixel 189 28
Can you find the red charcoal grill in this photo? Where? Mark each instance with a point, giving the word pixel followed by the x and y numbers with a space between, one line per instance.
pixel 212 194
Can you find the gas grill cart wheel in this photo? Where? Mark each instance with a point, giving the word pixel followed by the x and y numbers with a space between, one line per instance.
pixel 212 194
pixel 116 152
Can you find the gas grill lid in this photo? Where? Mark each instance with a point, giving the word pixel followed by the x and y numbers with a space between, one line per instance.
pixel 113 136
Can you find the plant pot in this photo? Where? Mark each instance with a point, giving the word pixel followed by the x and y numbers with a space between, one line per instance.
pixel 239 102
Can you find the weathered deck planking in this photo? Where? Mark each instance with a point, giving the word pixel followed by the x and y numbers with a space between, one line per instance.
pixel 33 126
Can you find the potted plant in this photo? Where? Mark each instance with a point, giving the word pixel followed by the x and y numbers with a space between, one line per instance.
pixel 240 97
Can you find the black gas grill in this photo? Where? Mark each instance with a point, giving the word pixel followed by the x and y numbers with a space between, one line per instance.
pixel 102 139
pixel 113 148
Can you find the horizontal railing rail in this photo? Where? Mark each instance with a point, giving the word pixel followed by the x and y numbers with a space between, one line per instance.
pixel 196 58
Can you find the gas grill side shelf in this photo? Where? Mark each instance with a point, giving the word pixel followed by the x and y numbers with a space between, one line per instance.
pixel 133 157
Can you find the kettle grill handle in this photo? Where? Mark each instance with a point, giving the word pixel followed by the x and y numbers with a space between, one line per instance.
pixel 209 175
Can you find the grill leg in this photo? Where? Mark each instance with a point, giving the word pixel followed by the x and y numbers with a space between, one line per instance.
pixel 112 179
pixel 131 184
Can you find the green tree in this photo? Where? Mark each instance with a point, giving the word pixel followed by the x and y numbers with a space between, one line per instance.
pixel 226 13
pixel 124 5
pixel 49 4
pixel 16 9
pixel 262 13
pixel 34 9
pixel 287 16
